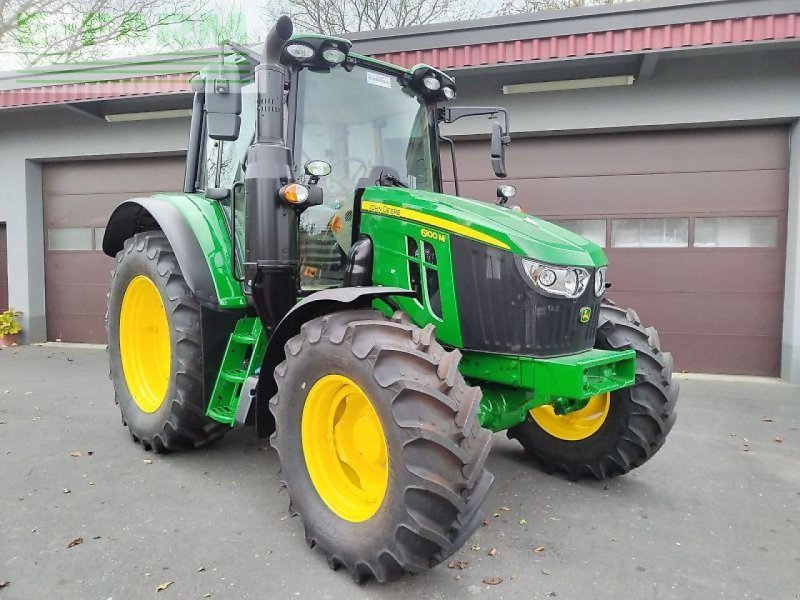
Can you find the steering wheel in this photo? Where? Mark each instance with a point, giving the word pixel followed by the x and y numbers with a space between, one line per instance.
pixel 341 185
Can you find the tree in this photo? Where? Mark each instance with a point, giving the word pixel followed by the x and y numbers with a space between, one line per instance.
pixel 54 31
pixel 337 17
pixel 526 6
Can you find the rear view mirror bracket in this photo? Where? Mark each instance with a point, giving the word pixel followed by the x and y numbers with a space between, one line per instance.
pixel 500 130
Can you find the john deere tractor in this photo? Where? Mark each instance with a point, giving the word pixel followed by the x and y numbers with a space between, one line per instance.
pixel 314 281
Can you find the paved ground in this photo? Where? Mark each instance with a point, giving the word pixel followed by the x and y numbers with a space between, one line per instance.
pixel 715 515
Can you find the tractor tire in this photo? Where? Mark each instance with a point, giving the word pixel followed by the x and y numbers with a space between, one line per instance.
pixel 404 493
pixel 635 422
pixel 155 352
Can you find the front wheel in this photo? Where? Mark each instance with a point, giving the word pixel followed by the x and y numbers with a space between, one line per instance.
pixel 379 444
pixel 617 431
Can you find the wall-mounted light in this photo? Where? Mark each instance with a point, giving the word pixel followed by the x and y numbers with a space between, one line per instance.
pixel 568 84
pixel 149 116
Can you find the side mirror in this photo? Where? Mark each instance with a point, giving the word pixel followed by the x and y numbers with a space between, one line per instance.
pixel 498 150
pixel 223 103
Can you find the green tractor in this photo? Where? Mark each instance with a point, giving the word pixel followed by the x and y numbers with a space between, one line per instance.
pixel 314 281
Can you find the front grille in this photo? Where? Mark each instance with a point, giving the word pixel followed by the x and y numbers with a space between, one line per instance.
pixel 500 312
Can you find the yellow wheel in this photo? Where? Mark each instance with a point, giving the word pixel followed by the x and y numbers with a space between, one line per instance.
pixel 144 344
pixel 577 425
pixel 345 448
pixel 155 349
pixel 379 443
pixel 614 432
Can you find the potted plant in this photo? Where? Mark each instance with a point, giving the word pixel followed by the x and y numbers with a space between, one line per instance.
pixel 9 327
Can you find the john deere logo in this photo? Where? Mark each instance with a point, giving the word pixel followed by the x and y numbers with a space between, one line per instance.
pixel 585 314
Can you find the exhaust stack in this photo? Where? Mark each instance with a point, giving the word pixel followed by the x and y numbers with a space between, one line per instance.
pixel 271 261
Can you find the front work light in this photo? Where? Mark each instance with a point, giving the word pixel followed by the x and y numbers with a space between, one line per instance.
pixel 431 83
pixel 448 92
pixel 334 56
pixel 552 280
pixel 300 51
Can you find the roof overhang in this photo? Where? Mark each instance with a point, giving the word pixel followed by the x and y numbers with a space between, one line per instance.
pixel 630 35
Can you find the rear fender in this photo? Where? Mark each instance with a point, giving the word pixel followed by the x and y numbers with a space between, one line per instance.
pixel 315 305
pixel 196 230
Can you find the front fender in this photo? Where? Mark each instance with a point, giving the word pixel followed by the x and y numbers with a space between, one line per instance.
pixel 196 230
pixel 313 306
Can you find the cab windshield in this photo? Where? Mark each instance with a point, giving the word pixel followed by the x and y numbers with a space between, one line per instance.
pixel 358 121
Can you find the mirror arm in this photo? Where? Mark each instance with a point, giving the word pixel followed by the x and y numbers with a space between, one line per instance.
pixel 451 114
pixel 452 145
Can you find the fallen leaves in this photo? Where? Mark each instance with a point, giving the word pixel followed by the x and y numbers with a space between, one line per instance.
pixel 475 547
pixel 200 570
pixel 493 552
pixel 76 542
pixel 164 586
pixel 778 440
pixel 76 454
pixel 457 564
pixel 492 580
pixel 538 550
pixel 66 491
pixel 523 522
pixel 4 583
pixel 545 572
pixel 147 461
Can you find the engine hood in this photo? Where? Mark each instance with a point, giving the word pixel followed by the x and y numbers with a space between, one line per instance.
pixel 521 234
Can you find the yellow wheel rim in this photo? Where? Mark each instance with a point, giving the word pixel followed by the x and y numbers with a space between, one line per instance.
pixel 577 425
pixel 344 448
pixel 144 344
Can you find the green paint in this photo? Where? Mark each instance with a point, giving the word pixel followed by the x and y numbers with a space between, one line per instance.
pixel 513 385
pixel 243 356
pixel 211 230
pixel 524 235
pixel 391 267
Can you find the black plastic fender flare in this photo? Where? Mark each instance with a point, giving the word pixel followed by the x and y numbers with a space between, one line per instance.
pixel 313 306
pixel 144 214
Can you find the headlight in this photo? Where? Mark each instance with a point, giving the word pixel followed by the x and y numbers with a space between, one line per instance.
pixel 431 83
pixel 599 281
pixel 568 282
pixel 300 51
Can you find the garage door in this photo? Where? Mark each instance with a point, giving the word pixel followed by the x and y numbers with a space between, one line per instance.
pixel 78 199
pixel 693 223
pixel 3 268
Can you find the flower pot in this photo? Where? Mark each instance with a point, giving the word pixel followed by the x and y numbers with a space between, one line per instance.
pixel 6 341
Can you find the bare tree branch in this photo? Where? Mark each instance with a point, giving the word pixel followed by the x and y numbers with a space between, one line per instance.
pixel 50 31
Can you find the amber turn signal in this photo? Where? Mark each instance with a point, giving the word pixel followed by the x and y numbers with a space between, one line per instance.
pixel 294 193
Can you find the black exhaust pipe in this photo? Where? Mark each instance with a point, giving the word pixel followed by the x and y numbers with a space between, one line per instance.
pixel 271 261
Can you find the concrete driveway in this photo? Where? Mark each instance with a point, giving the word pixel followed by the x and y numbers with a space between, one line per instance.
pixel 716 514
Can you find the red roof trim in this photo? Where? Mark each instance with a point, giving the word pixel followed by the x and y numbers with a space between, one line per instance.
pixel 99 90
pixel 625 41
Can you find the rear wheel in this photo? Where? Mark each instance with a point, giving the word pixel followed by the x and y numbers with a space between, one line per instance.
pixel 154 343
pixel 379 444
pixel 614 432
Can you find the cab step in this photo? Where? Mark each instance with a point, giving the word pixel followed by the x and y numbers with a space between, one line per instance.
pixel 242 359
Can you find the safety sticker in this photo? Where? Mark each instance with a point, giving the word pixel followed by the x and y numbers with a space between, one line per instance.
pixel 379 79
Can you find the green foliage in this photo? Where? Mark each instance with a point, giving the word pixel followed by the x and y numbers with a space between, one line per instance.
pixel 8 322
